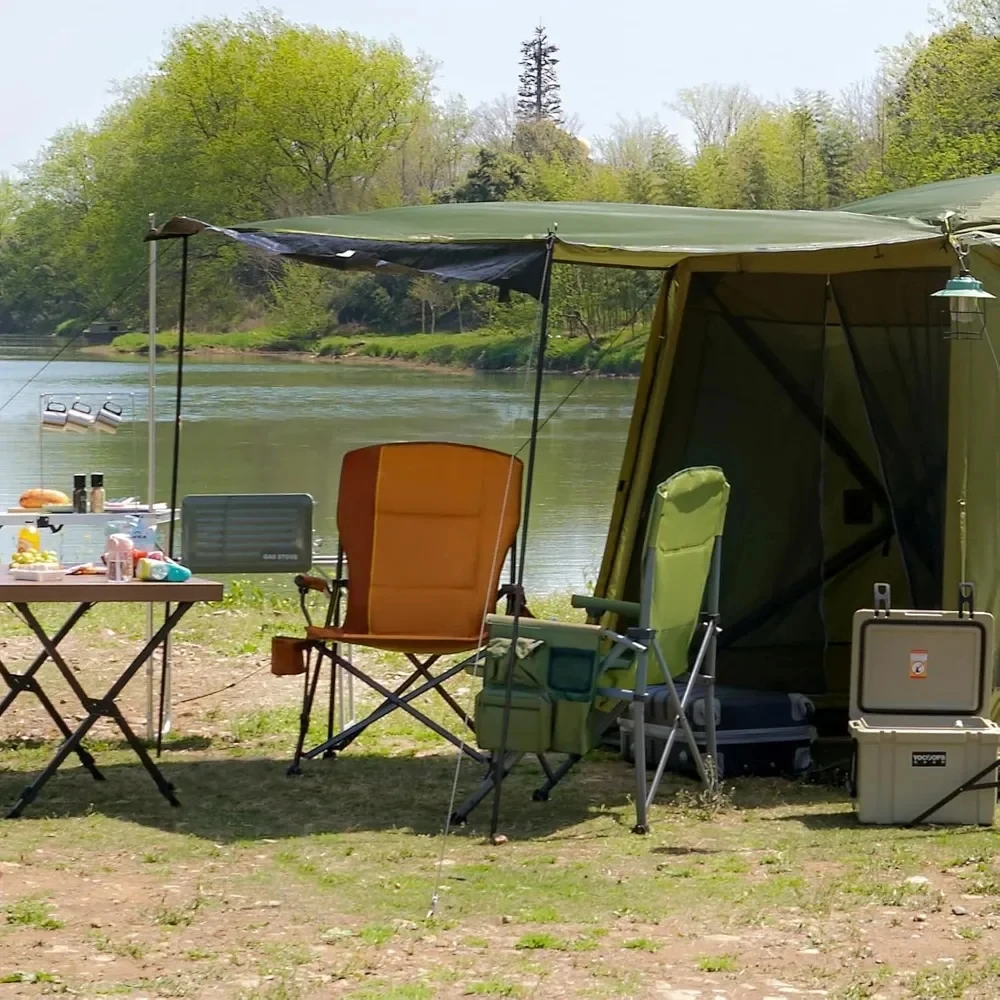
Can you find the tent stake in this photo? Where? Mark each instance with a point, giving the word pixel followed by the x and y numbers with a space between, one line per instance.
pixel 181 323
pixel 500 756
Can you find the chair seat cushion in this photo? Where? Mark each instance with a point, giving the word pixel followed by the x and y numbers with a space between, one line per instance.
pixel 441 644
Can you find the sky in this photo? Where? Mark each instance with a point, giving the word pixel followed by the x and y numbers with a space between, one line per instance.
pixel 61 58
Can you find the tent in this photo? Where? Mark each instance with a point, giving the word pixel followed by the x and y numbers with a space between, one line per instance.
pixel 800 351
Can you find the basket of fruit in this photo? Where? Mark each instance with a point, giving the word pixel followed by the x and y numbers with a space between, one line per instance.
pixel 35 565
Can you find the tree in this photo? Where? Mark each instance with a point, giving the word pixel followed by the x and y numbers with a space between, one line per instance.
pixel 240 119
pixel 808 186
pixel 495 177
pixel 432 294
pixel 538 90
pixel 544 140
pixel 865 107
pixel 983 16
pixel 494 123
pixel 944 110
pixel 650 161
pixel 433 159
pixel 715 112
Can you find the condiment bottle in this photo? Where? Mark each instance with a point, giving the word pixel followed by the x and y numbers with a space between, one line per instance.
pixel 80 494
pixel 28 539
pixel 97 492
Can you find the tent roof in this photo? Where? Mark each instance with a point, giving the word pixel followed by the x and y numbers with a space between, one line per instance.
pixel 664 228
pixel 504 243
pixel 975 200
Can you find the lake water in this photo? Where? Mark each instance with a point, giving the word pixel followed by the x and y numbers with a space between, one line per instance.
pixel 252 426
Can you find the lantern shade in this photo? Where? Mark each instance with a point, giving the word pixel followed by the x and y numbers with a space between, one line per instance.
pixel 966 302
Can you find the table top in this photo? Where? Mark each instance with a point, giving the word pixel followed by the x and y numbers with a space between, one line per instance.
pixel 98 590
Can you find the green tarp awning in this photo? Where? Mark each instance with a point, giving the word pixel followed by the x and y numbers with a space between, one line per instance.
pixel 975 200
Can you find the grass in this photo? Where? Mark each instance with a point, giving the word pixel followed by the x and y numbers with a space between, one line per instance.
pixel 10 978
pixel 31 912
pixel 176 916
pixel 717 963
pixel 641 944
pixel 484 349
pixel 494 988
pixel 539 942
pixel 264 887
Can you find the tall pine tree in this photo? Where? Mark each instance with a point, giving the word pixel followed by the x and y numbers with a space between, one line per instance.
pixel 538 89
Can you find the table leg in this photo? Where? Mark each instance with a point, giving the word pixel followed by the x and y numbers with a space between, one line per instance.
pixel 27 682
pixel 107 706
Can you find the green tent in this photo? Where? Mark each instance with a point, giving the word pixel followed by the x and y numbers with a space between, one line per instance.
pixel 801 352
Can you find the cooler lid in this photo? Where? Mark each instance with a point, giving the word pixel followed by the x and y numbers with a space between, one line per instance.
pixel 921 663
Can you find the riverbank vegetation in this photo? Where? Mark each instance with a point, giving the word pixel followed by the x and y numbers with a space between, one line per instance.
pixel 484 350
pixel 259 118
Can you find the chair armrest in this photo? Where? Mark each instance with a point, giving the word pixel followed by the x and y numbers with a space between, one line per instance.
pixel 307 583
pixel 601 605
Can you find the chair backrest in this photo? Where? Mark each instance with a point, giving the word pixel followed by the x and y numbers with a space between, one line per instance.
pixel 687 516
pixel 247 533
pixel 426 528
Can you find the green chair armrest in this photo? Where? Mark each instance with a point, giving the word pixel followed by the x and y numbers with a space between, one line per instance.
pixel 597 606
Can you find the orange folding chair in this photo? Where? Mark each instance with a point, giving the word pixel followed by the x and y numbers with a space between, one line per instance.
pixel 425 529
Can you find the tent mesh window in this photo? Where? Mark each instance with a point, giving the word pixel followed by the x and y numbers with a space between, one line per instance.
pixel 826 402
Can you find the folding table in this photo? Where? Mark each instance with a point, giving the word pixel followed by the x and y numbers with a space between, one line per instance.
pixel 85 592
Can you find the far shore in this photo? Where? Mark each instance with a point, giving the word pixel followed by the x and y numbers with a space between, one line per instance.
pixel 107 351
pixel 361 360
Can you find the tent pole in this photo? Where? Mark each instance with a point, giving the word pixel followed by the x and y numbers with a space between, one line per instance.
pixel 500 756
pixel 151 460
pixel 175 466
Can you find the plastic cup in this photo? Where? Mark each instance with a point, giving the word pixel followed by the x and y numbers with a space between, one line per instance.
pixel 119 566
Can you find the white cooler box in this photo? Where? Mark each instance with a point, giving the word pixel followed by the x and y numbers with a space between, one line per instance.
pixel 903 770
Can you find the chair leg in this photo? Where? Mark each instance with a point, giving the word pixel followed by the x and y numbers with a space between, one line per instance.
pixel 424 669
pixel 392 700
pixel 309 684
pixel 330 705
pixel 461 814
pixel 541 794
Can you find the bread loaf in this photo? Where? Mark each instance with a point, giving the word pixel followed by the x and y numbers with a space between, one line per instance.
pixel 38 498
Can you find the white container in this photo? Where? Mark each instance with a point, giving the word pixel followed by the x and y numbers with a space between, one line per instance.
pixel 903 770
pixel 41 573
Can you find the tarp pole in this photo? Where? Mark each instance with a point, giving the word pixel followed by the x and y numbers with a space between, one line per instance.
pixel 499 757
pixel 175 466
pixel 151 464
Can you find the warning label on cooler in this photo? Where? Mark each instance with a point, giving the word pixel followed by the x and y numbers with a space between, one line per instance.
pixel 918 664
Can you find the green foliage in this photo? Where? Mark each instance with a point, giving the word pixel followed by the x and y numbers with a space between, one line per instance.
pixel 239 120
pixel 302 299
pixel 945 110
pixel 258 117
pixel 31 912
pixel 717 963
pixel 497 176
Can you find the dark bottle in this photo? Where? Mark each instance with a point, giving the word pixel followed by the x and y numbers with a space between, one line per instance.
pixel 80 494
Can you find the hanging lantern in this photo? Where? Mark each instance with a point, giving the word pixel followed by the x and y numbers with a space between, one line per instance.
pixel 967 305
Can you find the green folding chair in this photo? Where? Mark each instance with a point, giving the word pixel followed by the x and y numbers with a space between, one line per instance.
pixel 569 684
